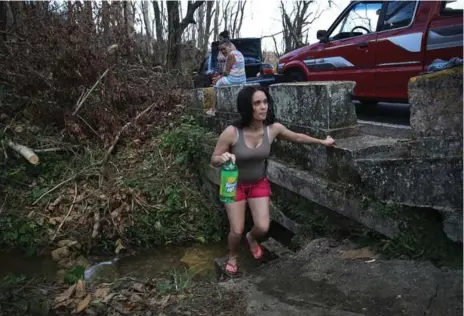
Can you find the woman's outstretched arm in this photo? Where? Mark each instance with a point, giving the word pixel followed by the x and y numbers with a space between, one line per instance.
pixel 281 132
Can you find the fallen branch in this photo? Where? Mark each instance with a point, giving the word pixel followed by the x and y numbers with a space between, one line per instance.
pixel 123 129
pixel 96 224
pixel 86 95
pixel 69 212
pixel 26 152
pixel 54 149
pixel 62 183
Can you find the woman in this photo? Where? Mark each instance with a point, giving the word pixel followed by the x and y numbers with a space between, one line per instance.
pixel 234 72
pixel 221 58
pixel 247 143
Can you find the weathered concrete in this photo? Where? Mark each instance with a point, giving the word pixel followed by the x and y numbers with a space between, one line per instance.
pixel 436 104
pixel 325 280
pixel 384 129
pixel 337 164
pixel 322 105
pixel 393 180
pixel 203 99
pixel 338 197
pixel 226 97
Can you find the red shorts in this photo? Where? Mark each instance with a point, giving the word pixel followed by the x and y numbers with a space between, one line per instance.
pixel 251 190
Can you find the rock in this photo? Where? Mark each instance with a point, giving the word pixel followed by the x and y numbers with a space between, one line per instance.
pixel 66 243
pixel 322 105
pixel 60 253
pixel 436 104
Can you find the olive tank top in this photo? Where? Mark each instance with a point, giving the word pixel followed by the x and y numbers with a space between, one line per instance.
pixel 251 162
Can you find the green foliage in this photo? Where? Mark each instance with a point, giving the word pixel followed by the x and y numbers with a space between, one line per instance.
pixel 180 211
pixel 20 233
pixel 177 281
pixel 187 141
pixel 74 274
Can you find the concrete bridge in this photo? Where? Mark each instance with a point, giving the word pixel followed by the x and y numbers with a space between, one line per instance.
pixel 392 179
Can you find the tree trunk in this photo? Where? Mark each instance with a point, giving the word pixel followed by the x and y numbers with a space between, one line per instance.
pixel 128 18
pixel 158 22
pixel 209 13
pixel 3 15
pixel 201 26
pixel 174 36
pixel 177 28
pixel 146 21
pixel 216 21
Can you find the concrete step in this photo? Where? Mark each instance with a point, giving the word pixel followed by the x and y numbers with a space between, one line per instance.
pixel 338 164
pixel 384 129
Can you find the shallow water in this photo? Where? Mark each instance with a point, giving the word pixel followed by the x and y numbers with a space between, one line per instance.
pixel 198 259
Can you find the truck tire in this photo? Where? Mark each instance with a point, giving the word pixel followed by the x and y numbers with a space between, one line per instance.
pixel 294 75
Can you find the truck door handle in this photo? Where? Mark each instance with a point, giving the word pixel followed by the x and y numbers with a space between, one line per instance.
pixel 363 45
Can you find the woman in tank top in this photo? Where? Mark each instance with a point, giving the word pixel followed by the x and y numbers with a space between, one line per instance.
pixel 234 72
pixel 247 143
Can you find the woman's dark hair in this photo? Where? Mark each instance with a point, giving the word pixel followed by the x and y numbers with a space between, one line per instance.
pixel 245 106
pixel 225 42
pixel 224 34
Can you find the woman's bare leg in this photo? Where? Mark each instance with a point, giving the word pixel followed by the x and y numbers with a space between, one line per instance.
pixel 236 215
pixel 261 219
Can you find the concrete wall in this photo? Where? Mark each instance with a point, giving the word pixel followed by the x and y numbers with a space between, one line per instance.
pixel 424 171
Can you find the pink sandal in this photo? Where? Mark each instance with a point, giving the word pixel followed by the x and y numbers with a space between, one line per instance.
pixel 231 269
pixel 258 253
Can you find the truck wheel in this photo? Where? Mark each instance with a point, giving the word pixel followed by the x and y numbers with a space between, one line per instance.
pixel 295 76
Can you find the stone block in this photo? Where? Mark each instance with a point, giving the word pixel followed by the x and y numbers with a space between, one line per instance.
pixel 337 164
pixel 226 97
pixel 430 182
pixel 436 104
pixel 340 198
pixel 321 105
pixel 203 98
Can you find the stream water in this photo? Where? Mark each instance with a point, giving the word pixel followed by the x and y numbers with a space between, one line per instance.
pixel 198 259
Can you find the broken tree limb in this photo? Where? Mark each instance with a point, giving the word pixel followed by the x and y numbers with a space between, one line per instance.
pixel 85 95
pixel 24 151
pixel 69 212
pixel 54 149
pixel 123 129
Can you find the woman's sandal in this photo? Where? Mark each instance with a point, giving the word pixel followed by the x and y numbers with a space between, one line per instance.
pixel 258 253
pixel 231 269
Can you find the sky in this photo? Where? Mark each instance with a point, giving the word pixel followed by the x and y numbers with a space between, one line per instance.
pixel 262 18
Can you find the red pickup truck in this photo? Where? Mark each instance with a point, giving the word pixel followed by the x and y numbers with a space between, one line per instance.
pixel 380 45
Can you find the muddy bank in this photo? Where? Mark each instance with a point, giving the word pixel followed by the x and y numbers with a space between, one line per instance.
pixel 327 278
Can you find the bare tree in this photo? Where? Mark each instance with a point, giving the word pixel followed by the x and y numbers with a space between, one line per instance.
pixel 158 21
pixel 216 20
pixel 177 28
pixel 238 18
pixel 296 23
pixel 209 16
pixel 201 25
pixel 232 14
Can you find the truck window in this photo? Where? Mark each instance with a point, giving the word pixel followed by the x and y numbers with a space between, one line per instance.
pixel 451 8
pixel 398 14
pixel 361 19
